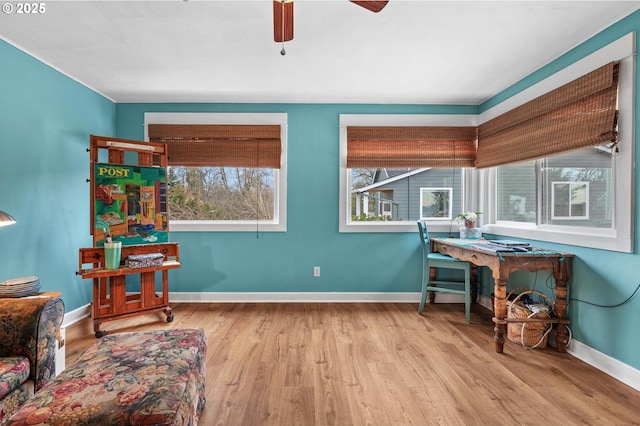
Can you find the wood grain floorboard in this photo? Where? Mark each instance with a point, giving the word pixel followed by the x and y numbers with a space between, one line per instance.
pixel 378 364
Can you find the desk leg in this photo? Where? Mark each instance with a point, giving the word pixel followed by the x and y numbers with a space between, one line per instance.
pixel 500 301
pixel 561 275
pixel 432 277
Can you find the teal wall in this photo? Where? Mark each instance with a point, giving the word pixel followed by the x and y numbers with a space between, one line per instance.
pixel 45 122
pixel 283 262
pixel 46 119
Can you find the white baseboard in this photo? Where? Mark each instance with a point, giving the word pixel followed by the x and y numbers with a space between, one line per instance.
pixel 611 366
pixel 608 365
pixel 301 297
pixel 76 315
pixel 603 362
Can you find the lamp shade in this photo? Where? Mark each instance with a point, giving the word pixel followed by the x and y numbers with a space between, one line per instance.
pixel 6 219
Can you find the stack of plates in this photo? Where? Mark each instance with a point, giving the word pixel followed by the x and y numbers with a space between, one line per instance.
pixel 20 287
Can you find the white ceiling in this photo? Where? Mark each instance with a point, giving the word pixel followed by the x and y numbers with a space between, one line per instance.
pixel 414 52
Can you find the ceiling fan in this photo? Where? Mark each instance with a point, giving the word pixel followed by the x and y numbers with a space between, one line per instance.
pixel 283 17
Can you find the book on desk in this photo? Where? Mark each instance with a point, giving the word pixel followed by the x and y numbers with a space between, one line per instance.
pixel 511 243
pixel 495 246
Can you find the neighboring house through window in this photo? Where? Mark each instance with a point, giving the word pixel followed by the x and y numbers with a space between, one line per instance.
pixel 404 194
pixel 576 186
pixel 377 195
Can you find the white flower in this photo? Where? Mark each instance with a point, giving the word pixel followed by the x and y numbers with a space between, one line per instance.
pixel 468 217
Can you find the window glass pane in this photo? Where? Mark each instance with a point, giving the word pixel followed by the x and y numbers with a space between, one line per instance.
pixel 570 200
pixel 561 199
pixel 579 200
pixel 435 203
pixel 221 193
pixel 517 192
pixel 404 194
pixel 578 188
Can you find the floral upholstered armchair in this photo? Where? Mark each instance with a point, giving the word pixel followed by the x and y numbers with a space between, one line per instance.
pixel 29 329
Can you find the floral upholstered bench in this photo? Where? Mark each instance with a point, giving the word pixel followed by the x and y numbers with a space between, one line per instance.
pixel 144 378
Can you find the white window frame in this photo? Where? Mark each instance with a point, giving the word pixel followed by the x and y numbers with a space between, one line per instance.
pixel 441 189
pixel 570 216
pixel 619 238
pixel 279 222
pixel 345 222
pixel 386 208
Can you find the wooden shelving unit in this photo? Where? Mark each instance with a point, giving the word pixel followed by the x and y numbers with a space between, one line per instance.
pixel 111 301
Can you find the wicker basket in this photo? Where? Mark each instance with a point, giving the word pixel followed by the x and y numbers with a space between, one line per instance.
pixel 529 335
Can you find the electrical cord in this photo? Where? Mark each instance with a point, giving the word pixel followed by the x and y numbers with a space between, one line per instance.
pixel 570 334
pixel 570 337
pixel 607 306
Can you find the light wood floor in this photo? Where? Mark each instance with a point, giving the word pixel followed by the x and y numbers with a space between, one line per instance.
pixel 378 364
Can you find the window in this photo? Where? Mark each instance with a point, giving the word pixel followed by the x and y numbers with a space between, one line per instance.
pixel 221 193
pixel 377 195
pixel 570 200
pixel 387 209
pixel 575 189
pixel 517 194
pixel 435 203
pixel 226 171
pixel 403 194
pixel 581 197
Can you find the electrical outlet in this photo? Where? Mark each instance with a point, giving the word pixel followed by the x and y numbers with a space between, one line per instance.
pixel 316 271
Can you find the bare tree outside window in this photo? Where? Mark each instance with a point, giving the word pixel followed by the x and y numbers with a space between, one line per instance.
pixel 220 193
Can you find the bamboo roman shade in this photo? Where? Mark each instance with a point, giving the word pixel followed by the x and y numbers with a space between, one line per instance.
pixel 579 114
pixel 410 147
pixel 219 145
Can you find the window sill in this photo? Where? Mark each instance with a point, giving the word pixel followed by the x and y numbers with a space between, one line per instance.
pixel 225 226
pixel 373 227
pixel 604 239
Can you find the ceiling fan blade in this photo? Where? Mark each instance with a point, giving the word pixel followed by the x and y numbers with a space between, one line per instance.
pixel 282 20
pixel 374 6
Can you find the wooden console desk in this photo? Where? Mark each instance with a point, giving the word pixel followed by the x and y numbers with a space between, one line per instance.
pixel 501 265
pixel 110 298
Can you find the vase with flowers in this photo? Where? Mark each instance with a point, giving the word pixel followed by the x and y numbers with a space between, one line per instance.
pixel 469 230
